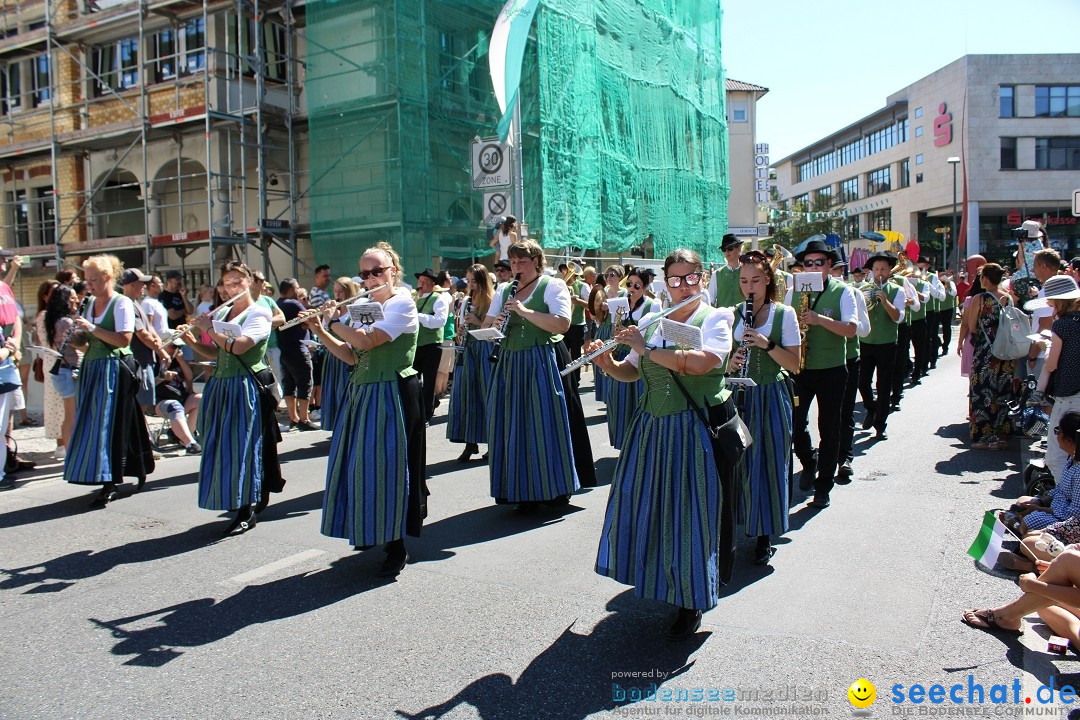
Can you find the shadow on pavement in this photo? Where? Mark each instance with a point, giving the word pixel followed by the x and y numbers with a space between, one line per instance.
pixel 574 677
pixel 205 621
pixel 481 525
pixel 88 563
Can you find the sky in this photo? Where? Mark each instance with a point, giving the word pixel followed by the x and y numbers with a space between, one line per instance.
pixel 831 62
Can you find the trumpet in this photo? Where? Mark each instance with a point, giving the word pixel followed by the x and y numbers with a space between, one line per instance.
pixel 181 330
pixel 780 255
pixel 328 307
pixel 589 357
pixel 573 272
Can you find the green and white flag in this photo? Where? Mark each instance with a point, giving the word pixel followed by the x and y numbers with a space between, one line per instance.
pixel 505 53
pixel 987 545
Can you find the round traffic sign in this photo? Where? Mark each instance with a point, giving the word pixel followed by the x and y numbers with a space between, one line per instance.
pixel 496 204
pixel 491 159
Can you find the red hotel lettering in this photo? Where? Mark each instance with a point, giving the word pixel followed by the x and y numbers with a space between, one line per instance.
pixel 942 127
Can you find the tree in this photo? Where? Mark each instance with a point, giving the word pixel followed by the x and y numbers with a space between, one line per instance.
pixel 794 221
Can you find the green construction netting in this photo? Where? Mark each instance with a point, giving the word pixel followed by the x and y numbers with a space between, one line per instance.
pixel 623 122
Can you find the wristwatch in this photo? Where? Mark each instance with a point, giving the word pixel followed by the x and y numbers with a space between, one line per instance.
pixel 770 347
pixel 647 353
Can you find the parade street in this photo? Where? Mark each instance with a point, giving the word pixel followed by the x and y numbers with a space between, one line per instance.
pixel 142 610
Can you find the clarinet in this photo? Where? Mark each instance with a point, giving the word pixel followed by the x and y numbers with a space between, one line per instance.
pixel 504 319
pixel 748 321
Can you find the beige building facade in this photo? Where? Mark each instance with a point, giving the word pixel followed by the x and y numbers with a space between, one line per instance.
pixel 748 163
pixel 1011 125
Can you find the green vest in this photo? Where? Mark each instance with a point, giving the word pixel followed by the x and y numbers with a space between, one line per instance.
pixel 922 287
pixel 229 365
pixel 949 303
pixel 883 329
pixel 762 369
pixel 388 361
pixel 577 312
pixel 728 293
pixel 663 397
pixel 522 334
pixel 99 348
pixel 428 336
pixel 824 349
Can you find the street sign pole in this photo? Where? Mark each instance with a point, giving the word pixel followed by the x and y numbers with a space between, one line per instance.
pixel 519 182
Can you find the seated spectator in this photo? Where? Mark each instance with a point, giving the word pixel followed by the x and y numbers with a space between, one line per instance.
pixel 1054 595
pixel 1063 500
pixel 177 400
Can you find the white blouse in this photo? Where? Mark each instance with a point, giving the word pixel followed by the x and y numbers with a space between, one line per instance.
pixel 789 333
pixel 715 334
pixel 556 296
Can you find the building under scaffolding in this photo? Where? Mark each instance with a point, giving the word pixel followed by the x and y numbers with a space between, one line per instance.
pixel 175 133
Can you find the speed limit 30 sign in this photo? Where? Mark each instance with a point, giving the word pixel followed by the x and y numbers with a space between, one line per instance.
pixel 490 164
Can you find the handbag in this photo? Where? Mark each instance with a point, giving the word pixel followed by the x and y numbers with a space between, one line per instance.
pixel 730 436
pixel 9 376
pixel 39 370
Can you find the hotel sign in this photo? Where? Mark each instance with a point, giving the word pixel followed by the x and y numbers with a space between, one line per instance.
pixel 761 173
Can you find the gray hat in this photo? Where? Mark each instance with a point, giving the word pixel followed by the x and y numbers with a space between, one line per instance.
pixel 1059 287
pixel 134 275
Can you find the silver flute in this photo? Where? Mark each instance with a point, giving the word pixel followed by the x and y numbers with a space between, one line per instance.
pixel 589 357
pixel 328 306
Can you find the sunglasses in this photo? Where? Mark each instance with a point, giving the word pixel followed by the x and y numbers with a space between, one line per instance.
pixel 612 274
pixel 754 258
pixel 635 286
pixel 674 281
pixel 816 262
pixel 376 271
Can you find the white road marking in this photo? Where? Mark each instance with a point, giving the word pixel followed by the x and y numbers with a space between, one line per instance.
pixel 271 568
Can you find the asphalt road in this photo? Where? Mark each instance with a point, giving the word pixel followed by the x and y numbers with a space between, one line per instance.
pixel 141 610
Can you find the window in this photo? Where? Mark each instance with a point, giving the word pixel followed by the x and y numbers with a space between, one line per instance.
pixel 850 227
pixel 918 178
pixel 195 45
pixel 46 217
pixel 878 181
pixel 1060 153
pixel 849 190
pixel 853 151
pixel 918 113
pixel 165 55
pixel 39 76
pixel 1007 101
pixel 905 172
pixel 918 131
pixel 447 61
pixel 918 159
pixel 801 203
pixel 880 219
pixel 1057 101
pixel 20 217
pixel 1008 153
pixel 244 44
pixel 10 88
pixel 116 66
pixel 738 111
pixel 823 197
pixel 184 50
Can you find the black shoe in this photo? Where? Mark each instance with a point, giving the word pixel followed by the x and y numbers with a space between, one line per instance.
pixel 868 421
pixel 806 477
pixel 25 464
pixel 896 407
pixel 687 622
pixel 820 501
pixel 764 551
pixel 527 508
pixel 844 473
pixel 243 521
pixel 263 502
pixel 362 548
pixel 396 558
pixel 193 449
pixel 7 482
pixel 933 366
pixel 306 426
pixel 467 453
pixel 107 495
pixel 559 501
pixel 881 435
pixel 140 483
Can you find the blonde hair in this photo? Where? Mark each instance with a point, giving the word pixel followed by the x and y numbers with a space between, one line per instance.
pixel 1065 306
pixel 107 265
pixel 351 288
pixel 617 269
pixel 390 254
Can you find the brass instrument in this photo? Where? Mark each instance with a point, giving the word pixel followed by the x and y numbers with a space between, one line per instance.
pixel 573 272
pixel 589 357
pixel 328 307
pixel 780 255
pixel 504 318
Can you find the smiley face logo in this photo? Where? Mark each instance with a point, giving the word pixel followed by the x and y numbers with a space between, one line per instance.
pixel 862 693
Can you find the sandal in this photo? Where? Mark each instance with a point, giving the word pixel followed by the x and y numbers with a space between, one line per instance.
pixel 986 615
pixel 1011 521
pixel 1016 563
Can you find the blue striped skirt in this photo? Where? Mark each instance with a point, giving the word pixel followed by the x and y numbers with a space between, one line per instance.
pixel 231 468
pixel 367 473
pixel 602 381
pixel 88 460
pixel 467 418
pixel 528 430
pixel 335 378
pixel 661 529
pixel 763 507
pixel 622 403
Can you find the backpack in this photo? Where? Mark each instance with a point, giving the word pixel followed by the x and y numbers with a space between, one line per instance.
pixel 1011 341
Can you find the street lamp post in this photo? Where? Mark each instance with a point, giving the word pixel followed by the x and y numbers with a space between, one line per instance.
pixel 954 161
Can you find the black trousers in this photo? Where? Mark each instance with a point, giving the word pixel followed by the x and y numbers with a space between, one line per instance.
pixel 945 321
pixel 574 339
pixel 426 362
pixel 902 364
pixel 827 386
pixel 579 431
pixel 919 345
pixel 933 340
pixel 412 407
pixel 847 411
pixel 880 358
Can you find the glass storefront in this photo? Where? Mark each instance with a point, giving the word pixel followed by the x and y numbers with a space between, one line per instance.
pixel 998 245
